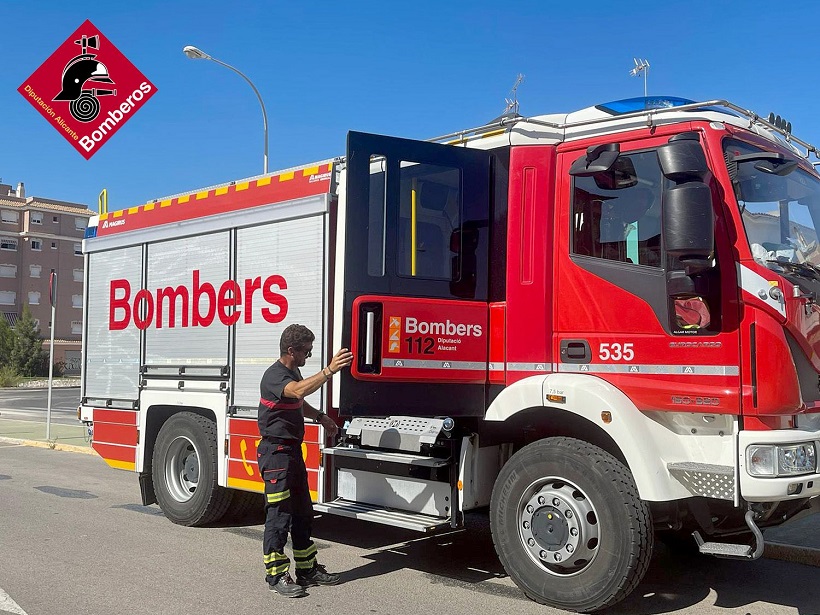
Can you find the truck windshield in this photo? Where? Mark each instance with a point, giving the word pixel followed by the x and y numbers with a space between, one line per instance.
pixel 779 204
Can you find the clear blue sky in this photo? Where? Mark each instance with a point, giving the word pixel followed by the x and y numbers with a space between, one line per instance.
pixel 413 69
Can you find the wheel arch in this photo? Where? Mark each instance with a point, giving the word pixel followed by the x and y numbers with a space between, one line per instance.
pixel 630 436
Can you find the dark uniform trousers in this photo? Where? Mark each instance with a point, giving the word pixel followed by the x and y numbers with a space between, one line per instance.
pixel 287 507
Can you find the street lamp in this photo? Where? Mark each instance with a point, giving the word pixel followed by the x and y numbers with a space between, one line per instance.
pixel 197 54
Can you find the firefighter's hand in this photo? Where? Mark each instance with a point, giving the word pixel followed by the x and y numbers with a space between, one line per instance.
pixel 330 427
pixel 341 359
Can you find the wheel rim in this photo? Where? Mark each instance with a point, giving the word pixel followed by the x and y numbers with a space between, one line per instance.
pixel 558 526
pixel 182 469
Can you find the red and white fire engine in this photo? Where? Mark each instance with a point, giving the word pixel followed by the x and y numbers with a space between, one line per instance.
pixel 601 325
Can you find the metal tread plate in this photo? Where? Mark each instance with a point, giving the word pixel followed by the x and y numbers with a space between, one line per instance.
pixel 404 458
pixel 386 516
pixel 722 549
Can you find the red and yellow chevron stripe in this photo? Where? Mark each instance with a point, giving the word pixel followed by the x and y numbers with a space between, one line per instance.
pixel 235 196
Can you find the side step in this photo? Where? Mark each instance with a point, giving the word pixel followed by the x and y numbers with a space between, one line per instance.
pixel 734 551
pixel 386 516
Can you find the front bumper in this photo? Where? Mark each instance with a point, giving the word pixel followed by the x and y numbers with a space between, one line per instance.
pixel 782 488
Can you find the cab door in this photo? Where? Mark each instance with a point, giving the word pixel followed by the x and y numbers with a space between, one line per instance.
pixel 628 312
pixel 415 278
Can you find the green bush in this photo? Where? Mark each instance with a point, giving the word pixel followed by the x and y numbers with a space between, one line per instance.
pixel 27 356
pixel 9 377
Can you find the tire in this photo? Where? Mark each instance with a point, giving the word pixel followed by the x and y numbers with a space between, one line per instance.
pixel 185 471
pixel 568 525
pixel 246 505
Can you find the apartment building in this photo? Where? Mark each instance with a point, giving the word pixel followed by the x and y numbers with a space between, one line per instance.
pixel 38 236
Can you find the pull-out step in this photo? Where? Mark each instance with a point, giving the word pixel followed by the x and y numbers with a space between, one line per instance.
pixel 386 516
pixel 734 551
pixel 399 471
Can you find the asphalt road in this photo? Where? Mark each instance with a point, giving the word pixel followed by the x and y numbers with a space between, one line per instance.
pixel 31 404
pixel 73 539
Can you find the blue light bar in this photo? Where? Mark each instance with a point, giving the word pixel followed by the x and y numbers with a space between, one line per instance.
pixel 641 103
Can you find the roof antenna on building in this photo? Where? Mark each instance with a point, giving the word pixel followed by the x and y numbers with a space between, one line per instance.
pixel 641 66
pixel 512 103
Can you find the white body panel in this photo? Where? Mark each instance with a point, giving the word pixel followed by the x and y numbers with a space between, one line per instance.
pixel 111 358
pixel 647 445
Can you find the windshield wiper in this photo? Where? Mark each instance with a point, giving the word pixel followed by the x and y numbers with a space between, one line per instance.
pixel 804 270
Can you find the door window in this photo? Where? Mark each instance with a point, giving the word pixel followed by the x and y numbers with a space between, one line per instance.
pixel 429 216
pixel 617 217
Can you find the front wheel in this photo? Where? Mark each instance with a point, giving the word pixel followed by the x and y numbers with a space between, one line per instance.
pixel 569 526
pixel 185 471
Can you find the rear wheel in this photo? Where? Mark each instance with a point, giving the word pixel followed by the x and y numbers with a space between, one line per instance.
pixel 185 471
pixel 569 526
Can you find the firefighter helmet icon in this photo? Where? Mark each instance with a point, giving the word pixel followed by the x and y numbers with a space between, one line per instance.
pixel 82 69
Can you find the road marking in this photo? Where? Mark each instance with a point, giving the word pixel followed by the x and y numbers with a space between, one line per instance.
pixel 7 605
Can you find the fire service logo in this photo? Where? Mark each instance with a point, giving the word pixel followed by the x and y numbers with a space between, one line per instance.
pixel 87 89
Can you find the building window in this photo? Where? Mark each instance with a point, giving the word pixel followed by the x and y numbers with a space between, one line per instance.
pixel 8 271
pixel 80 223
pixel 78 275
pixel 37 323
pixel 8 297
pixel 34 298
pixel 36 217
pixel 8 243
pixel 76 327
pixel 53 245
pixel 78 249
pixel 35 270
pixel 55 219
pixel 36 244
pixel 77 301
pixel 8 216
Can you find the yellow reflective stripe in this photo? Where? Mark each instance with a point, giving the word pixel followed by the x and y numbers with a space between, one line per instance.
pixel 311 550
pixel 274 570
pixel 278 497
pixel 306 565
pixel 274 557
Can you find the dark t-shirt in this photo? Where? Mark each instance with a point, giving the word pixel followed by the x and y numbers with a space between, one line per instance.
pixel 280 418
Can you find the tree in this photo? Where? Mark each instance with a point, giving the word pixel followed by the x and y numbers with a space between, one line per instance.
pixel 6 341
pixel 27 355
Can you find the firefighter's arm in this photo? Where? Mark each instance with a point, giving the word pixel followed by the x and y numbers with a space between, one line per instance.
pixel 320 417
pixel 303 388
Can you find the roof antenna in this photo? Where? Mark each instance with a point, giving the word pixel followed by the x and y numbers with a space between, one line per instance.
pixel 641 66
pixel 512 102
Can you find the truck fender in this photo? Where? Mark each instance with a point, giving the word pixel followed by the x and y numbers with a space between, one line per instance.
pixel 646 444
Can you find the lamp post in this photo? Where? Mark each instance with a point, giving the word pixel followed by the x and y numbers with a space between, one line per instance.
pixel 197 54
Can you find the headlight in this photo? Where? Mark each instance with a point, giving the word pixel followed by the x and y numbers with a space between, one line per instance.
pixel 782 460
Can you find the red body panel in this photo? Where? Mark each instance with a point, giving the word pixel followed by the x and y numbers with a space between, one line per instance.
pixel 629 344
pixel 530 255
pixel 428 339
pixel 116 437
pixel 243 469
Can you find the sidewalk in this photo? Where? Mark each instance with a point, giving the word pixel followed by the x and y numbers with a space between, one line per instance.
pixel 797 541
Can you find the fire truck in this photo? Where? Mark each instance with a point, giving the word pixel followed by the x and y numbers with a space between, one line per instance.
pixel 600 326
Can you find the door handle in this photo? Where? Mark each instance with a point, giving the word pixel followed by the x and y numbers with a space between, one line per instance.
pixel 575 351
pixel 369 337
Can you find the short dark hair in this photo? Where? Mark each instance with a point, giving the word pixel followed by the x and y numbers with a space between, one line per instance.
pixel 295 336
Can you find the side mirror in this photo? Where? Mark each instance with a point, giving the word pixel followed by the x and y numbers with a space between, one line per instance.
pixel 683 160
pixel 689 225
pixel 599 159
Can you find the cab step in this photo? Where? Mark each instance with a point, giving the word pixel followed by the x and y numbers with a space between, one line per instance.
pixel 734 551
pixel 385 516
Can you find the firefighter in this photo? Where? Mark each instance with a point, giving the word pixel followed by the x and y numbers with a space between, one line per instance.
pixel 282 412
